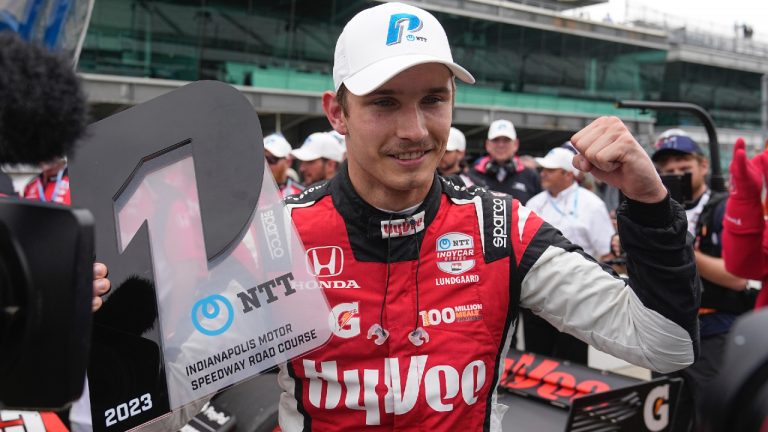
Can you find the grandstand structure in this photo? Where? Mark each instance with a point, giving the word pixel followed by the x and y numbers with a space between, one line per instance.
pixel 549 72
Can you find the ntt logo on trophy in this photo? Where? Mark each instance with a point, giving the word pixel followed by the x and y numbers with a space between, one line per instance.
pixel 208 314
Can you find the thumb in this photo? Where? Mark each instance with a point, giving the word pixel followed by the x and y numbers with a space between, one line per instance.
pixel 739 145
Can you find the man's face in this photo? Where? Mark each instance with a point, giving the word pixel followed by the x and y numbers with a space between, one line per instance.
pixel 52 168
pixel 501 148
pixel 681 164
pixel 555 180
pixel 396 135
pixel 450 162
pixel 312 171
pixel 277 165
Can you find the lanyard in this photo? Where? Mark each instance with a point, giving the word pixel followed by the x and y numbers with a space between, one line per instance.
pixel 41 191
pixel 574 213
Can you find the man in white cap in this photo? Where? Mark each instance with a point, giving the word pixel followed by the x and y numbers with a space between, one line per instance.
pixel 437 272
pixel 277 152
pixel 578 213
pixel 501 169
pixel 584 220
pixel 450 165
pixel 319 156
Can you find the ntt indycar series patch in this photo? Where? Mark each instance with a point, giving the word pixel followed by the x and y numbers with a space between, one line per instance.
pixel 207 271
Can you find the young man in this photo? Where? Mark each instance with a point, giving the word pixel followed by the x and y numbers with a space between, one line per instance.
pixel 320 156
pixel 502 170
pixel 277 152
pixel 724 295
pixel 443 269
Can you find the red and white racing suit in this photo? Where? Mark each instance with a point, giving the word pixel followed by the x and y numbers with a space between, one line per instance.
pixel 459 267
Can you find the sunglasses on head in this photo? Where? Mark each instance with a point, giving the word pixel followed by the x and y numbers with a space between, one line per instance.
pixel 272 159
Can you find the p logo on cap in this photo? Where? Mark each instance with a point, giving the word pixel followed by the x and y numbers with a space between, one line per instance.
pixel 397 24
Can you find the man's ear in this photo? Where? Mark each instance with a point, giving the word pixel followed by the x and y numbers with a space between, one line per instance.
pixel 334 112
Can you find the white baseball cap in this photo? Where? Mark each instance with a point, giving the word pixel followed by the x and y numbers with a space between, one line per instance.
pixel 319 145
pixel 456 141
pixel 502 128
pixel 340 138
pixel 558 157
pixel 380 42
pixel 277 145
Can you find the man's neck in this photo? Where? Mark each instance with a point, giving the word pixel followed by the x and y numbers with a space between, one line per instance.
pixel 697 194
pixel 386 198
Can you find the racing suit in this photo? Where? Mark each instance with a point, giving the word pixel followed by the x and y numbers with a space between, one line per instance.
pixel 459 267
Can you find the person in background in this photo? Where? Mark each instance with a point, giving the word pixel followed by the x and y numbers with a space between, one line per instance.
pixel 342 142
pixel 51 185
pixel 450 164
pixel 320 156
pixel 277 152
pixel 583 219
pixel 501 170
pixel 724 296
pixel 745 233
pixel 6 186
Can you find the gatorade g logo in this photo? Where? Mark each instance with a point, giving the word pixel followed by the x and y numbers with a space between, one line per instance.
pixel 398 23
pixel 656 408
pixel 207 315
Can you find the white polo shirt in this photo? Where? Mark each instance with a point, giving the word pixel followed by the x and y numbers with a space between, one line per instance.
pixel 580 215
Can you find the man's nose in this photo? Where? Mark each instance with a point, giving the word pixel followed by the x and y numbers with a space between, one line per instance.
pixel 411 124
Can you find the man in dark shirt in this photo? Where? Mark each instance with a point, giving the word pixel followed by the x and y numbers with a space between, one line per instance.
pixel 501 170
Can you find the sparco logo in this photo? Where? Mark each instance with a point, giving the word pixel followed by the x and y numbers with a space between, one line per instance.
pixel 403 227
pixel 499 223
pixel 325 261
pixel 345 320
pixel 273 236
pixel 656 408
pixel 442 387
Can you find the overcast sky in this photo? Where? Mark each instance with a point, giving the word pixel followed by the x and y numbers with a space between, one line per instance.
pixel 714 14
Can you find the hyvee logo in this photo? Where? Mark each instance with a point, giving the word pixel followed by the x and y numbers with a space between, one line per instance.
pixel 455 253
pixel 403 227
pixel 408 380
pixel 656 408
pixel 398 23
pixel 344 320
pixel 499 223
pixel 325 261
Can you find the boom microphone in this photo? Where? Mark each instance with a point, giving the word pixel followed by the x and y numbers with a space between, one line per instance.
pixel 42 107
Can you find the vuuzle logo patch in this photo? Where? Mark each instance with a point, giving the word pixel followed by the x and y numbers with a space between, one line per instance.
pixel 210 309
pixel 455 253
pixel 401 22
pixel 656 408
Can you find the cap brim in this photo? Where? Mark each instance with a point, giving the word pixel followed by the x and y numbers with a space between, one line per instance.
pixel 669 151
pixel 304 155
pixel 548 164
pixel 276 151
pixel 502 134
pixel 376 74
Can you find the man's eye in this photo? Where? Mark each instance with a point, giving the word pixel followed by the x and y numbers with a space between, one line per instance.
pixel 383 103
pixel 431 100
